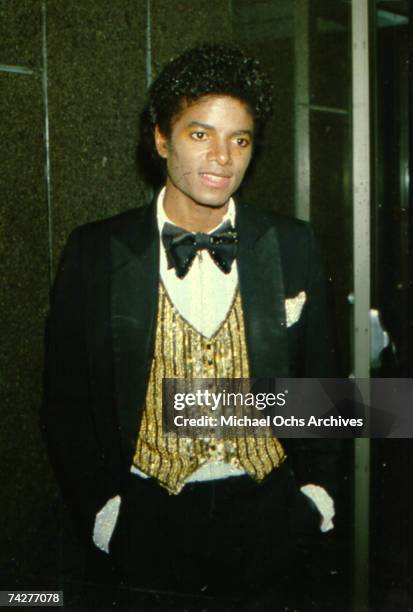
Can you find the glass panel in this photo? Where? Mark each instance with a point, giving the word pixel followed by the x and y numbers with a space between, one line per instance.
pixel 331 214
pixel 330 66
pixel 392 510
pixel 390 288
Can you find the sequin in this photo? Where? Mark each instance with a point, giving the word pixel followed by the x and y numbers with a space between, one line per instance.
pixel 182 352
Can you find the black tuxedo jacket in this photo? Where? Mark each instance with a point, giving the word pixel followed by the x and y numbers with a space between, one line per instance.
pixel 101 329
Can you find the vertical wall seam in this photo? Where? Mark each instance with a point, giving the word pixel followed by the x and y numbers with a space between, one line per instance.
pixel 148 62
pixel 148 45
pixel 49 215
pixel 46 140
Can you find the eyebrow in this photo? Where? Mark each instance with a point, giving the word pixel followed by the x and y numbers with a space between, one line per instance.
pixel 211 127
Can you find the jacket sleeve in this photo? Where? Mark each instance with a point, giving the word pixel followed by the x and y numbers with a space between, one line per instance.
pixel 316 460
pixel 66 416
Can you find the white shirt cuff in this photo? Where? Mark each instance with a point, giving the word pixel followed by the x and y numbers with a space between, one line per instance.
pixel 105 523
pixel 324 503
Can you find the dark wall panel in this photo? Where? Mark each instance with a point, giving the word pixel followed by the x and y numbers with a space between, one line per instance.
pixel 180 25
pixel 21 33
pixel 97 84
pixel 27 488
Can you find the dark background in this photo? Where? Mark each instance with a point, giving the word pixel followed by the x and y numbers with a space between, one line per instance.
pixel 73 77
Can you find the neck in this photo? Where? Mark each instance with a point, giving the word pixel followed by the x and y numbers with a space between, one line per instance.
pixel 191 216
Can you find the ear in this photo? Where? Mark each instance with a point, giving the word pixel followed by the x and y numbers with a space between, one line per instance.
pixel 161 143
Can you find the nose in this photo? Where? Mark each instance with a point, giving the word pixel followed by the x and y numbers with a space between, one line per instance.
pixel 220 152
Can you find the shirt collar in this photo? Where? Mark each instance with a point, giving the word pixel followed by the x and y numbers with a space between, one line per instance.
pixel 162 217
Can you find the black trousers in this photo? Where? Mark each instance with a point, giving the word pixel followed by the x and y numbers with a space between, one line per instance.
pixel 226 537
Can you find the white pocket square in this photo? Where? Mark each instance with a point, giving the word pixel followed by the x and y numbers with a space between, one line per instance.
pixel 293 307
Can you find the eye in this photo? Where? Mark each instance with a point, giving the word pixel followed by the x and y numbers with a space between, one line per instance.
pixel 242 142
pixel 198 135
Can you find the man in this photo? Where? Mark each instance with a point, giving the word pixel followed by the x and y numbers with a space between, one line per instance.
pixel 192 286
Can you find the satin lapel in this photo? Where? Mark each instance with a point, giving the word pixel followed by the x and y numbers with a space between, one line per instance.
pixel 262 293
pixel 134 297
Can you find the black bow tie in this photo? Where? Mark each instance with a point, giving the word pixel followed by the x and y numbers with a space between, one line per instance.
pixel 181 247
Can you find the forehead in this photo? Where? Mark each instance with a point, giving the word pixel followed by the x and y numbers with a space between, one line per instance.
pixel 217 111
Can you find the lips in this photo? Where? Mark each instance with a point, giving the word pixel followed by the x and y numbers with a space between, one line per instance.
pixel 219 181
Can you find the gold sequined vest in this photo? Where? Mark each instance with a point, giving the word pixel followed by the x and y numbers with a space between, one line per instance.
pixel 182 352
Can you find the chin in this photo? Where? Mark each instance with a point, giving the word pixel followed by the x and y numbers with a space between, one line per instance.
pixel 213 201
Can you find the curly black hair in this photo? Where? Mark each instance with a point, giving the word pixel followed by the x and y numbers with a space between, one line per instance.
pixel 206 70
